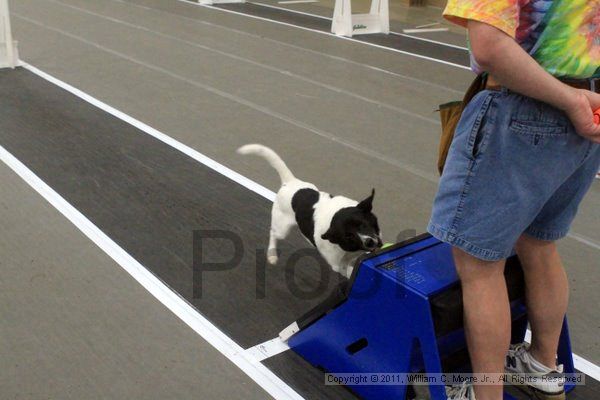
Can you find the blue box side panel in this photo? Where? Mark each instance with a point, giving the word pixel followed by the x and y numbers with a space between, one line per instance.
pixel 380 319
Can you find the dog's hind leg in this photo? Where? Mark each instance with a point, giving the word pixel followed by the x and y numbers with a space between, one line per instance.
pixel 281 223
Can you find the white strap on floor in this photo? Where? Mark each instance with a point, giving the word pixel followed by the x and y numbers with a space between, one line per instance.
pixel 267 349
pixel 346 24
pixel 8 47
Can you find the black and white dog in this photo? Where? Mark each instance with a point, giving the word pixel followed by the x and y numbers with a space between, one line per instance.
pixel 340 228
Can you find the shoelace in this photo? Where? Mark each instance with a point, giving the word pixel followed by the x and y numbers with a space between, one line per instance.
pixel 457 392
pixel 520 348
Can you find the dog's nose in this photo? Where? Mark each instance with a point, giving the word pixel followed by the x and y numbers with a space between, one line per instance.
pixel 370 243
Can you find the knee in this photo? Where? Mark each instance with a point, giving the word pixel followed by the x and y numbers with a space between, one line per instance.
pixel 530 246
pixel 472 270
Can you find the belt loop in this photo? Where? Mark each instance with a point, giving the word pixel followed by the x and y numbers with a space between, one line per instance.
pixel 593 85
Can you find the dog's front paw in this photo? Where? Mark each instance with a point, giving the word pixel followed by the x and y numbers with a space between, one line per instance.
pixel 272 256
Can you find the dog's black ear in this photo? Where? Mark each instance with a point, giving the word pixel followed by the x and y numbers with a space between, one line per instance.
pixel 331 235
pixel 367 204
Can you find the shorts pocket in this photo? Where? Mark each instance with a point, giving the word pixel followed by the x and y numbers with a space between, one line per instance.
pixel 476 140
pixel 539 133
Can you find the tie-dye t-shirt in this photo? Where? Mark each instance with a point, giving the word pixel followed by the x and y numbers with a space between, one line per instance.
pixel 563 36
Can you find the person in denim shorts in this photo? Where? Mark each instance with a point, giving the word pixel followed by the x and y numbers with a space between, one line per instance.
pixel 525 152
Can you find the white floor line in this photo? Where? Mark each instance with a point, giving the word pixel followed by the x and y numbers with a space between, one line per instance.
pixel 268 349
pixel 587 367
pixel 581 363
pixel 585 240
pixel 427 25
pixel 393 161
pixel 391 32
pixel 330 34
pixel 201 158
pixel 220 341
pixel 271 68
pixel 299 48
pixel 290 10
pixel 425 30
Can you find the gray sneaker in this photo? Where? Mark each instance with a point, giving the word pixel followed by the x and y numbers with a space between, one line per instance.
pixel 520 361
pixel 460 392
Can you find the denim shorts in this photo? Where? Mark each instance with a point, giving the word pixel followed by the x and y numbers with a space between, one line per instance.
pixel 516 165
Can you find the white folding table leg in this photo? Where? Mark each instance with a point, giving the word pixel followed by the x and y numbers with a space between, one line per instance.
pixel 344 23
pixel 8 47
pixel 382 10
pixel 341 24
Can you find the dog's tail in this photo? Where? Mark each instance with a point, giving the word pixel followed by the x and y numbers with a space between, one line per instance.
pixel 276 162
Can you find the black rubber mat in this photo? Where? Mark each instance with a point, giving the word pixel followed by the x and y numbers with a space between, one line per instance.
pixel 150 198
pixel 428 49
